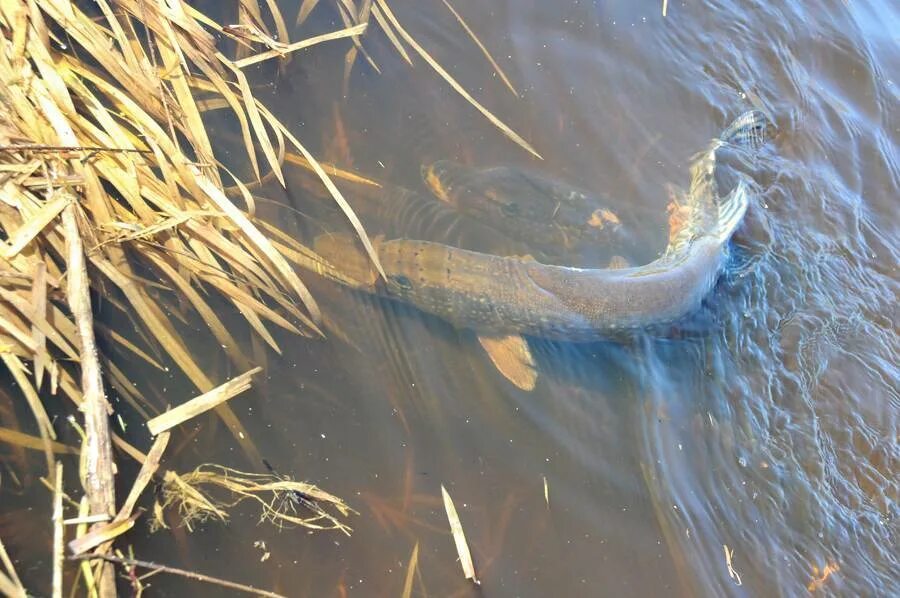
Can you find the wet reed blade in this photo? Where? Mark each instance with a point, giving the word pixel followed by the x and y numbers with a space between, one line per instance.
pixel 410 572
pixel 306 7
pixel 459 538
pixel 284 49
pixel 34 443
pixel 453 83
pixel 17 369
pixel 483 49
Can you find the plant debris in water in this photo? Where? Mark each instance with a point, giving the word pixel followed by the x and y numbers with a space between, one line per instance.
pixel 210 490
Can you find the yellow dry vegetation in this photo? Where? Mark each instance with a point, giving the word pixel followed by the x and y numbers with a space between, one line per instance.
pixel 110 188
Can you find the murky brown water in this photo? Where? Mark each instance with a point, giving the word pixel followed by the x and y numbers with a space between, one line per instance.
pixel 764 426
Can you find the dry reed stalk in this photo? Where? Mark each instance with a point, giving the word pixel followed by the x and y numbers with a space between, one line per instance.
pixel 97 455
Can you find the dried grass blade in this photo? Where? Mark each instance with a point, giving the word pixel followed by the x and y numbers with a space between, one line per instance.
pixel 225 339
pixel 39 305
pixel 280 52
pixel 335 193
pixel 201 404
pixel 130 346
pixel 411 572
pixel 229 99
pixel 45 428
pixel 39 323
pixel 483 49
pixel 459 537
pixel 34 224
pixel 102 534
pixel 389 32
pixel 148 468
pixel 280 25
pixel 262 243
pixel 87 572
pixel 338 173
pixel 454 84
pixel 8 325
pixel 156 322
pixel 10 584
pixel 34 443
pixel 255 121
pixel 305 8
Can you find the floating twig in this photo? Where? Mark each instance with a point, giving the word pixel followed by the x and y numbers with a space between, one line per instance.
pixel 157 568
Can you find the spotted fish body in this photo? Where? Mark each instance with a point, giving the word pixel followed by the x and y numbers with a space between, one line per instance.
pixel 507 295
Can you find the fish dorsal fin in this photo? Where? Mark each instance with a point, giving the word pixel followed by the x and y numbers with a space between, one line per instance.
pixel 512 358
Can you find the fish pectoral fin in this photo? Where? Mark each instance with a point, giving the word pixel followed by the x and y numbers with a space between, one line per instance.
pixel 617 262
pixel 512 358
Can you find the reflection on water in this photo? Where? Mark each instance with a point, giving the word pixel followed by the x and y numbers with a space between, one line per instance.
pixel 741 452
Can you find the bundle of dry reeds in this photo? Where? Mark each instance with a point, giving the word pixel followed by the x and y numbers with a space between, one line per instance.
pixel 110 187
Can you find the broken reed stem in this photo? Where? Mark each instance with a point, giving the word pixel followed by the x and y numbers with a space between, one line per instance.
pixel 98 477
pixel 157 568
pixel 201 404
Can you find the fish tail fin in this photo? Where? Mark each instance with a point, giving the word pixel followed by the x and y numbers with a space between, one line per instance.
pixel 751 130
pixel 732 209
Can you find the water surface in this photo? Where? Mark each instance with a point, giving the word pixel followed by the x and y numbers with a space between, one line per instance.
pixel 763 427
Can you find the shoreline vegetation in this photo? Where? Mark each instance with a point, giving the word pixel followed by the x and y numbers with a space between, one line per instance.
pixel 110 190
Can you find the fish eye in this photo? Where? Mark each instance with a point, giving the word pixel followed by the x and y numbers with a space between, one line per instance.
pixel 511 209
pixel 401 281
